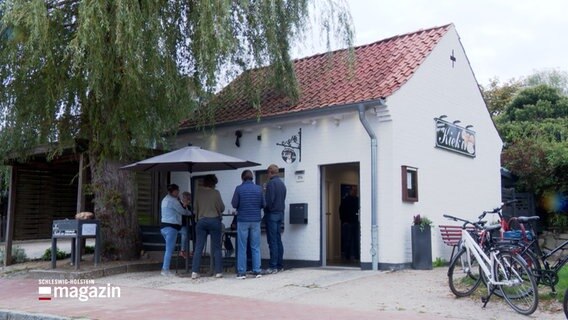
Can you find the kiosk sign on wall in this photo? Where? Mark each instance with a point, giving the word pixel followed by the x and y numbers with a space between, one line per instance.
pixel 455 138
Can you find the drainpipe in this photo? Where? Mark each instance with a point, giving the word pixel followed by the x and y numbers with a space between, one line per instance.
pixel 374 174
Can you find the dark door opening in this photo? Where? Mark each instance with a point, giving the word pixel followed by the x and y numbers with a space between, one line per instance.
pixel 341 240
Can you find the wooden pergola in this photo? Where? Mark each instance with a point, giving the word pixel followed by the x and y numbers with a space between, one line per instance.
pixel 43 189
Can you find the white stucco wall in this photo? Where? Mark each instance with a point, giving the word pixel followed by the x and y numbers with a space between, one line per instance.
pixel 448 182
pixel 324 142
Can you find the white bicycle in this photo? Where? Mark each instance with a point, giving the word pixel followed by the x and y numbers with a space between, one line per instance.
pixel 480 258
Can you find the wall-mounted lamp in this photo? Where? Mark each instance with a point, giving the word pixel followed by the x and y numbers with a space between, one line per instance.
pixel 457 121
pixel 469 126
pixel 442 117
pixel 238 134
pixel 259 137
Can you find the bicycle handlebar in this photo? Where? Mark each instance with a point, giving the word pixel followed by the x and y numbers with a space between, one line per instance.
pixel 498 210
pixel 477 225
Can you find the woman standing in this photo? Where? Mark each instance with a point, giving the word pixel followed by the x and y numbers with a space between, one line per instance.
pixel 172 211
pixel 208 207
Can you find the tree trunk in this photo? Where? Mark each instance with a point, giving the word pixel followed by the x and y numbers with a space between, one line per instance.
pixel 115 207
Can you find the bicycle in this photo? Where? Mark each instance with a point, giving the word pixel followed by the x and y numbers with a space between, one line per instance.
pixel 504 270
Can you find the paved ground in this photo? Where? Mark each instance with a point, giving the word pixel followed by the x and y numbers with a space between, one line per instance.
pixel 310 293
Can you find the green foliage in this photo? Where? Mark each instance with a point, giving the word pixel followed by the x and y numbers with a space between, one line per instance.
pixel 89 249
pixel 439 262
pixel 534 127
pixel 83 69
pixel 59 255
pixel 421 221
pixel 121 75
pixel 536 103
pixel 557 79
pixel 559 222
pixel 18 255
pixel 498 95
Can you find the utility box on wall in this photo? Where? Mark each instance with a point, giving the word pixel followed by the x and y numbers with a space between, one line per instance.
pixel 298 213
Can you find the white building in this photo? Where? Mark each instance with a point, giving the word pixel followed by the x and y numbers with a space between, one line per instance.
pixel 403 85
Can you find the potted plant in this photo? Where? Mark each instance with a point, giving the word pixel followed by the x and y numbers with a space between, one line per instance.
pixel 421 243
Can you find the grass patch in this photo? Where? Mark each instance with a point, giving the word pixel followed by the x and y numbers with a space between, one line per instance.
pixel 439 262
pixel 562 284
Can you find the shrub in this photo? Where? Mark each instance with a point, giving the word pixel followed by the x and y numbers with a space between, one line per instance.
pixel 59 255
pixel 421 221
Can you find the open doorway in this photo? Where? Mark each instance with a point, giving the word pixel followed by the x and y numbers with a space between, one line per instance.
pixel 341 240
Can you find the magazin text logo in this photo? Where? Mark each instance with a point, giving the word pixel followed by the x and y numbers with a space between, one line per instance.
pixel 79 289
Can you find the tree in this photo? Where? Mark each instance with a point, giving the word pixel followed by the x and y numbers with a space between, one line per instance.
pixel 121 74
pixel 497 96
pixel 534 127
pixel 557 79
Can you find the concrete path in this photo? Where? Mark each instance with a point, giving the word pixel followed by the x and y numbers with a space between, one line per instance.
pixel 143 303
pixel 306 293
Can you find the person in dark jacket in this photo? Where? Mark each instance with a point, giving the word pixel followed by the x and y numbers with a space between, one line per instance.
pixel 274 218
pixel 348 210
pixel 248 201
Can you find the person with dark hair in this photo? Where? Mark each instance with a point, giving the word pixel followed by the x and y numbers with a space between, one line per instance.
pixel 248 200
pixel 348 210
pixel 172 211
pixel 208 207
pixel 274 218
pixel 185 223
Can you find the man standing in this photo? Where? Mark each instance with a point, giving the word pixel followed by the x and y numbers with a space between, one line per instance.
pixel 349 225
pixel 274 218
pixel 248 201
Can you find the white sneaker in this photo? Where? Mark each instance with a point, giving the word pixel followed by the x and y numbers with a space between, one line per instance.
pixel 167 273
pixel 219 275
pixel 194 275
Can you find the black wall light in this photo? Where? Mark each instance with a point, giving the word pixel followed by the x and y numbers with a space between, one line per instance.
pixel 238 134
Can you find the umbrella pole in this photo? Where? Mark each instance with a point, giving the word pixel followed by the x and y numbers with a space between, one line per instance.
pixel 190 230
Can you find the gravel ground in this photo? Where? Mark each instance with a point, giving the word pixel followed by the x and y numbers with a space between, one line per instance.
pixel 422 292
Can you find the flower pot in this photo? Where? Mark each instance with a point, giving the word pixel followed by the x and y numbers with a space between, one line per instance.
pixel 421 248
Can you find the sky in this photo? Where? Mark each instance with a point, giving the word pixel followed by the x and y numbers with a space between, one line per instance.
pixel 502 38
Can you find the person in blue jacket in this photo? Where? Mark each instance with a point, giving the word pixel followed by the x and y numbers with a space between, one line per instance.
pixel 249 201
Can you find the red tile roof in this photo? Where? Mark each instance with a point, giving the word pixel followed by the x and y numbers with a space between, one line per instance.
pixel 326 80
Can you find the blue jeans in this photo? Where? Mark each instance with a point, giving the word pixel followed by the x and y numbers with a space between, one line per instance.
pixel 184 233
pixel 248 231
pixel 170 236
pixel 274 222
pixel 205 226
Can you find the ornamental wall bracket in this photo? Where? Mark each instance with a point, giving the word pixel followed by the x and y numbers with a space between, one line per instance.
pixel 295 142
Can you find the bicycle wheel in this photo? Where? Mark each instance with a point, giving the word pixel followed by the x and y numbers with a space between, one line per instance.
pixel 520 289
pixel 529 258
pixel 463 274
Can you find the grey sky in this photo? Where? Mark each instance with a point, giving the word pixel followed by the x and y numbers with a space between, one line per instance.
pixel 503 38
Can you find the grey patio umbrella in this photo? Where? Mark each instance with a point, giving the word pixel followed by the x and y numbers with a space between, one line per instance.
pixel 190 159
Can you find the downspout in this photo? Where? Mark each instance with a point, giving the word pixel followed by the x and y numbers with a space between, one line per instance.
pixel 374 195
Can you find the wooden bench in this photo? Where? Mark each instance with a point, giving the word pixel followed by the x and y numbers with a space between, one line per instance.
pixel 451 236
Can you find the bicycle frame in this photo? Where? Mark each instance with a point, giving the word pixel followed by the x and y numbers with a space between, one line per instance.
pixel 487 263
pixel 559 264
